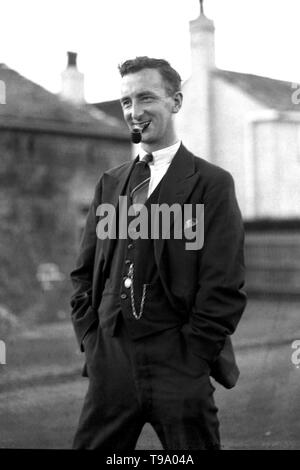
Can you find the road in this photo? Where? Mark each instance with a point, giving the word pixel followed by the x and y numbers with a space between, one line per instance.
pixel 262 412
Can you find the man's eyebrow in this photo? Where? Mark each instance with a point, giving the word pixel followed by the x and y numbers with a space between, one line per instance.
pixel 146 92
pixel 124 98
pixel 139 95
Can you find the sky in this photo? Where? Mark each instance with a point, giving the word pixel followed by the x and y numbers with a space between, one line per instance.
pixel 252 36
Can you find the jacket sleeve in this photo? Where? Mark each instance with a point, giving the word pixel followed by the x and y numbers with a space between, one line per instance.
pixel 220 299
pixel 83 315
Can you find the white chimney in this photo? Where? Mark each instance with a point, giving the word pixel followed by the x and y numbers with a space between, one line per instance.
pixel 193 121
pixel 72 81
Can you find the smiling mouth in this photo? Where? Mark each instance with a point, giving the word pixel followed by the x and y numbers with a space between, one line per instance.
pixel 141 126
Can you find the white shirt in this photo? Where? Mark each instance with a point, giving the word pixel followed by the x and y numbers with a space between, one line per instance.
pixel 161 161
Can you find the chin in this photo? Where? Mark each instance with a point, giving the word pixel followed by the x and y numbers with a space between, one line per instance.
pixel 148 138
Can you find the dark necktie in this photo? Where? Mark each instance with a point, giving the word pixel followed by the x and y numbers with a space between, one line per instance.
pixel 139 180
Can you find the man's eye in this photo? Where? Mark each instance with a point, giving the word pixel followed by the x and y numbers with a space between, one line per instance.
pixel 147 98
pixel 125 104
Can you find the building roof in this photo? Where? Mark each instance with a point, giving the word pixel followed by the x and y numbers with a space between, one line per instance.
pixel 274 94
pixel 112 108
pixel 30 107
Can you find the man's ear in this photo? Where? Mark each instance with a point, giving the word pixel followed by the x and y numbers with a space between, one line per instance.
pixel 178 97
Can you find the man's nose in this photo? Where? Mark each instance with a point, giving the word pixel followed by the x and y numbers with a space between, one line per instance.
pixel 136 111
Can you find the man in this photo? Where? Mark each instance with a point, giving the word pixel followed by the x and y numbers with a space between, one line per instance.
pixel 153 314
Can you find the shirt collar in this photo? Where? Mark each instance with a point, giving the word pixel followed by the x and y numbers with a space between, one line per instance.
pixel 162 156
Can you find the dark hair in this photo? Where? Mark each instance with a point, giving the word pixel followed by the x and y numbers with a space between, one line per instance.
pixel 170 76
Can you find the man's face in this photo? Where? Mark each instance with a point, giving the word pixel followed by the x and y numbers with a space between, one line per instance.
pixel 145 102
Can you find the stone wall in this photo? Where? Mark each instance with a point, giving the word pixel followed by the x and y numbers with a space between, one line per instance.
pixel 44 181
pixel 273 262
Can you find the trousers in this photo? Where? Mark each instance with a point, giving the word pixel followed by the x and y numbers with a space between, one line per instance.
pixel 155 379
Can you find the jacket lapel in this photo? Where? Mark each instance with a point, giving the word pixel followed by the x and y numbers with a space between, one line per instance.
pixel 176 187
pixel 113 187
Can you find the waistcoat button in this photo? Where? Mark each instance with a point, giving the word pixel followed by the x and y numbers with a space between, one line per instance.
pixel 127 282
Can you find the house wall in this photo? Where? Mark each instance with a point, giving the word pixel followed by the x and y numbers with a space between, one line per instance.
pixel 215 128
pixel 277 169
pixel 262 154
pixel 231 141
pixel 45 180
pixel 193 120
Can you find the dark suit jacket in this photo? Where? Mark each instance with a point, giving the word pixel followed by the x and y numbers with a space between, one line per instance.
pixel 207 282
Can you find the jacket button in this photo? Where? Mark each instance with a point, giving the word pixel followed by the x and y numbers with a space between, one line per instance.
pixel 130 246
pixel 127 261
pixel 132 233
pixel 123 296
